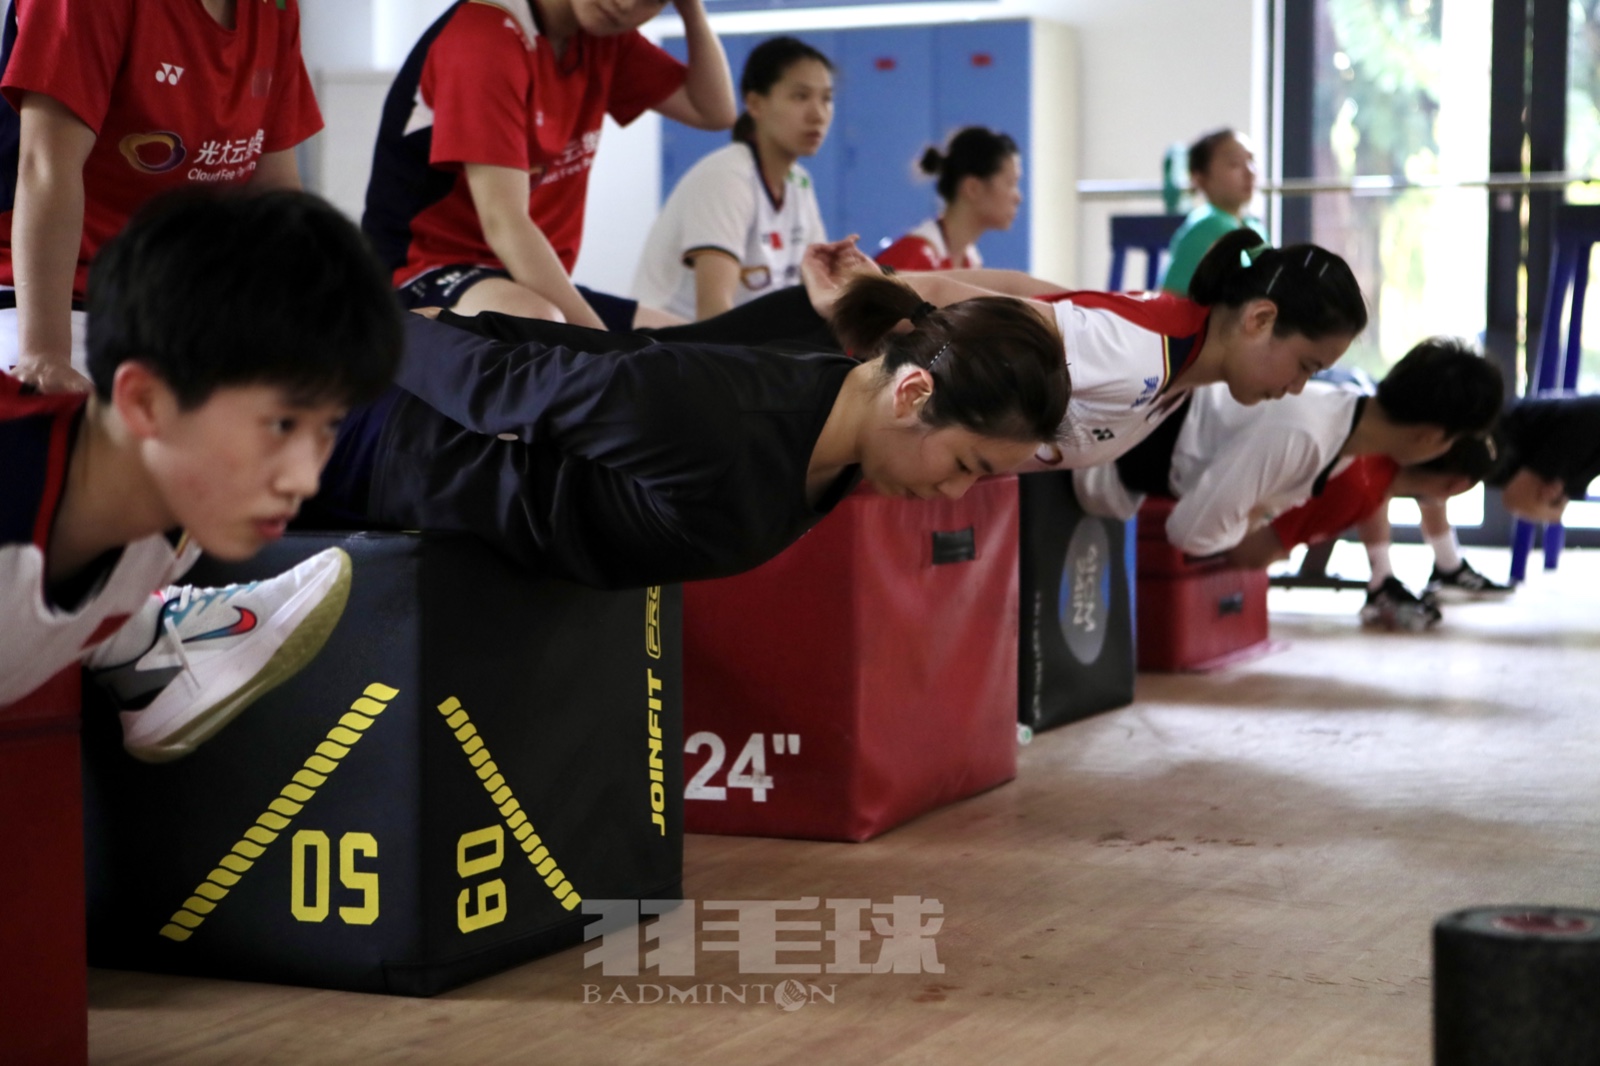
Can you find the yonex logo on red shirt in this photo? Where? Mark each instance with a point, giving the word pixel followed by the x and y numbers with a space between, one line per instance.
pixel 169 74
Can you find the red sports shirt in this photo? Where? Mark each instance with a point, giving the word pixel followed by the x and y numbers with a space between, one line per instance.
pixel 174 98
pixel 484 86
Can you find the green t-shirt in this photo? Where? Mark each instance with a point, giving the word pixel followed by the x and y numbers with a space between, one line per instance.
pixel 1203 228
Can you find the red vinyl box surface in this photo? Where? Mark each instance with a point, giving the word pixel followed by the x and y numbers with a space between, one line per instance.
pixel 866 675
pixel 1192 615
pixel 43 962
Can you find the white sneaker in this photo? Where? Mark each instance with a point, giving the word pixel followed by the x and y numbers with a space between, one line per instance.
pixel 216 651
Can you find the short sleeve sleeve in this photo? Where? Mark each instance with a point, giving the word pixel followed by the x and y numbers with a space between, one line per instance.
pixel 719 201
pixel 909 253
pixel 294 114
pixel 70 50
pixel 476 81
pixel 645 76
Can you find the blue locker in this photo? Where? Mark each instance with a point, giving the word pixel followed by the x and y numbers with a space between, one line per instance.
pixel 984 80
pixel 884 120
pixel 682 146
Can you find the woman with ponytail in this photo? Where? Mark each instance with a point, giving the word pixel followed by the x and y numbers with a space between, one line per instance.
pixel 1261 319
pixel 980 181
pixel 619 460
pixel 739 221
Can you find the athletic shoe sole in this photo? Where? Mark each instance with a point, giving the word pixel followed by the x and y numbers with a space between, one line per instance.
pixel 155 722
pixel 1457 594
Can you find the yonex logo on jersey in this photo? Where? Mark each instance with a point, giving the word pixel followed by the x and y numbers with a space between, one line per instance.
pixel 169 74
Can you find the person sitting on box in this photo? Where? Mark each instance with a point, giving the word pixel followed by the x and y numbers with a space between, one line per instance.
pixel 1233 468
pixel 617 460
pixel 487 141
pixel 227 335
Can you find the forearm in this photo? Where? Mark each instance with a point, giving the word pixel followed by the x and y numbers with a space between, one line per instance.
pixel 532 262
pixel 1009 282
pixel 1257 551
pixel 708 83
pixel 47 229
pixel 46 236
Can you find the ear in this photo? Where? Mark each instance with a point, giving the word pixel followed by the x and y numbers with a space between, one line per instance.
pixel 142 400
pixel 754 104
pixel 1258 317
pixel 969 188
pixel 911 390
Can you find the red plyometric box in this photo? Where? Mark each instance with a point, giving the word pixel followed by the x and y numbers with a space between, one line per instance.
pixel 43 972
pixel 864 676
pixel 1193 615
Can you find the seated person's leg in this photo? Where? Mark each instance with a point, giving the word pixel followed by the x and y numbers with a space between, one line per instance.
pixel 507 297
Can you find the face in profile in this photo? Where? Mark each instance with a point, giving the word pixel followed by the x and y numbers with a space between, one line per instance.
pixel 795 114
pixel 915 461
pixel 607 18
pixel 234 470
pixel 1268 367
pixel 1229 181
pixel 997 197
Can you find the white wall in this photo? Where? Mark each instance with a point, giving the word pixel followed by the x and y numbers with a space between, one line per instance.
pixel 1152 72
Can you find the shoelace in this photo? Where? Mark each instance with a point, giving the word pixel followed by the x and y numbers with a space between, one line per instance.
pixel 189 598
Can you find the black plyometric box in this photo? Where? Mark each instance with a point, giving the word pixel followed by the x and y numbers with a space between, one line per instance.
pixel 473 753
pixel 1077 634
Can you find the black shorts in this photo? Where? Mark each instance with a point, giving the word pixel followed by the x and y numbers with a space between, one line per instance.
pixel 444 286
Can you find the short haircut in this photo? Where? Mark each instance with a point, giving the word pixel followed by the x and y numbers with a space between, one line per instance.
pixel 1469 457
pixel 214 288
pixel 1201 151
pixel 1444 382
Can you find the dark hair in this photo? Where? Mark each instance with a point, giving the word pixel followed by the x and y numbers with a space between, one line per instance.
pixel 1470 457
pixel 1201 151
pixel 973 152
pixel 1313 288
pixel 1443 382
pixel 216 288
pixel 998 368
pixel 766 65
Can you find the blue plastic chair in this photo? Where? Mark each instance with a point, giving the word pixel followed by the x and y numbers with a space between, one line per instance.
pixel 1149 234
pixel 1577 231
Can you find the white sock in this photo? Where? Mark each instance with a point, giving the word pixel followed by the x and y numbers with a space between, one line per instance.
pixel 1378 558
pixel 1446 551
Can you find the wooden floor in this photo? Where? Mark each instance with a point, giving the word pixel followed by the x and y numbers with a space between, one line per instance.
pixel 1243 867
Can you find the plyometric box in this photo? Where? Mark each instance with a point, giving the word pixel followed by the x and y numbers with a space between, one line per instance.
pixel 866 675
pixel 1193 615
pixel 44 1015
pixel 1077 652
pixel 473 753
